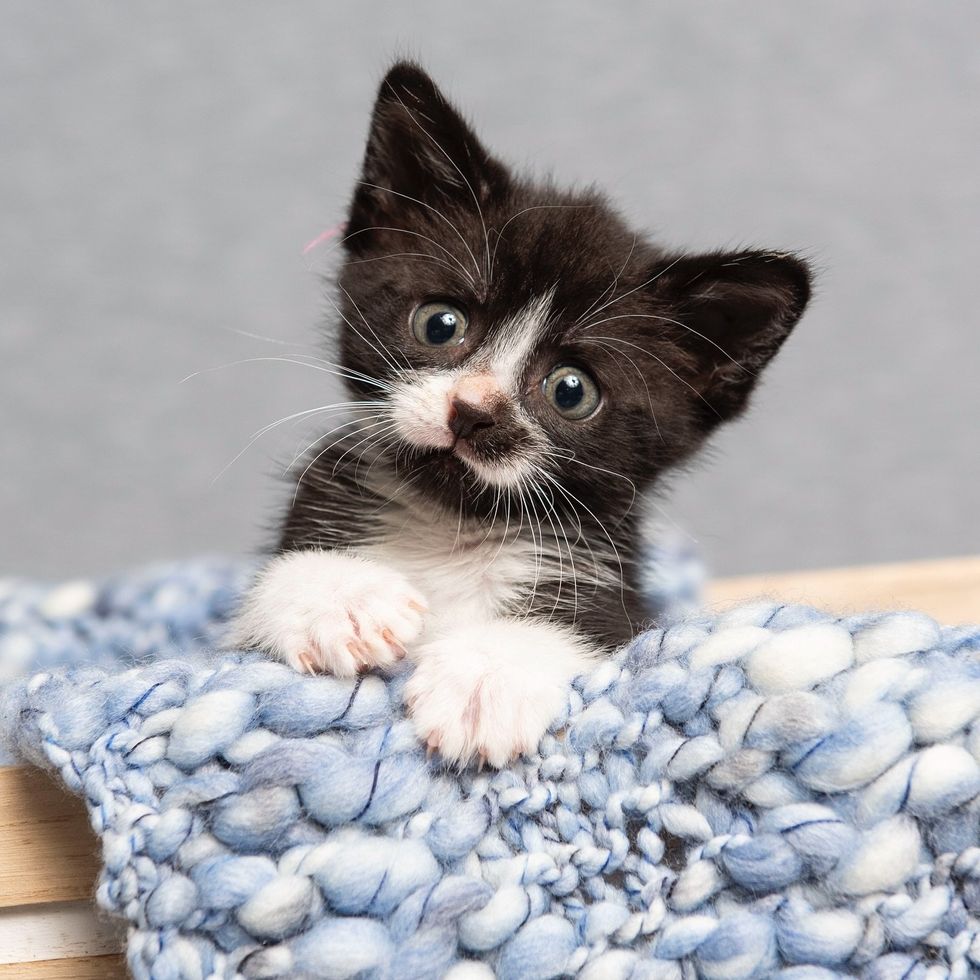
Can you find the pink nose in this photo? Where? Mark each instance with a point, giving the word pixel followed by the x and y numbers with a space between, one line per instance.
pixel 477 389
pixel 471 405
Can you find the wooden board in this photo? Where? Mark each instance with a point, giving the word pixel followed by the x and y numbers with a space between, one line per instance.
pixel 49 929
pixel 948 590
pixel 49 853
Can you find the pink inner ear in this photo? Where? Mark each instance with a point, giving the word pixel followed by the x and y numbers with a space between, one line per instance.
pixel 325 236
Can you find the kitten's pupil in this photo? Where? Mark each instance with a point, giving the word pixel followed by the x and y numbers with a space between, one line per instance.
pixel 440 328
pixel 569 392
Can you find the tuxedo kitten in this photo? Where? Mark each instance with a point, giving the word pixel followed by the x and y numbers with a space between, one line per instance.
pixel 523 368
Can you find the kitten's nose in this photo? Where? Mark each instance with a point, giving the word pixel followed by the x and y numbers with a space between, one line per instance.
pixel 465 418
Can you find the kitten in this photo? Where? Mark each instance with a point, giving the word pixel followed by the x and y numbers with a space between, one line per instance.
pixel 525 367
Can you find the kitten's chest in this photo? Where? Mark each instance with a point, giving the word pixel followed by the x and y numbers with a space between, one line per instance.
pixel 465 575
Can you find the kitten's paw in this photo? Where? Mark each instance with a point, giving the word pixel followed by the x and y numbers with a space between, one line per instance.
pixel 327 612
pixel 489 692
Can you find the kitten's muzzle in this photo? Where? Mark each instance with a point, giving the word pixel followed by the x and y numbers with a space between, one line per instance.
pixel 467 418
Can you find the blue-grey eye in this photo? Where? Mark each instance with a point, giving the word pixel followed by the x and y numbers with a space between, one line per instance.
pixel 439 324
pixel 572 392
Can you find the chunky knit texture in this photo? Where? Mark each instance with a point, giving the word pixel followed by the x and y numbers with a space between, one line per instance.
pixel 772 791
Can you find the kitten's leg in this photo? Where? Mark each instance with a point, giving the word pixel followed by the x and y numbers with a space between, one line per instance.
pixel 490 690
pixel 328 611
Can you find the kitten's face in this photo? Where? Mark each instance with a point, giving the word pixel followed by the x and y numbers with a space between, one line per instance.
pixel 525 339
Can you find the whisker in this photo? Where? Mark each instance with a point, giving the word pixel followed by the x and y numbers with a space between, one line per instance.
pixel 381 348
pixel 383 441
pixel 676 323
pixel 438 214
pixel 503 539
pixel 581 535
pixel 611 288
pixel 390 426
pixel 619 561
pixel 660 361
pixel 410 255
pixel 573 457
pixel 405 231
pixel 561 563
pixel 642 285
pixel 493 517
pixel 414 117
pixel 347 423
pixel 309 412
pixel 536 544
pixel 342 372
pixel 459 523
pixel 268 340
pixel 653 502
pixel 535 207
pixel 320 454
pixel 636 367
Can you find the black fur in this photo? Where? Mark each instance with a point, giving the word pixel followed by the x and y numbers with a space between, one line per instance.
pixel 675 341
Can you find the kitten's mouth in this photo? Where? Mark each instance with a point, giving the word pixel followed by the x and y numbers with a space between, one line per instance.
pixel 459 453
pixel 461 458
pixel 482 452
pixel 481 463
pixel 463 450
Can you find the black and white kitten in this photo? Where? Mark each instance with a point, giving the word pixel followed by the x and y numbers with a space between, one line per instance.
pixel 525 368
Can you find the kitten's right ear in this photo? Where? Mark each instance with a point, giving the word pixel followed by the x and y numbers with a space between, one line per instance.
pixel 420 151
pixel 731 311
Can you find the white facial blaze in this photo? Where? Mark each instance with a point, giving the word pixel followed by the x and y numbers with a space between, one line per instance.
pixel 421 403
pixel 507 355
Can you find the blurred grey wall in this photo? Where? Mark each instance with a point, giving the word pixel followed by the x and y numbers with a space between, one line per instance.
pixel 163 164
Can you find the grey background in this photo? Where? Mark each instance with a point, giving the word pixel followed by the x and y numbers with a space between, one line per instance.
pixel 163 165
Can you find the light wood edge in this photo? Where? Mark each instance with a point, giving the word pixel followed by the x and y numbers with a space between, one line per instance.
pixel 63 930
pixel 80 968
pixel 947 589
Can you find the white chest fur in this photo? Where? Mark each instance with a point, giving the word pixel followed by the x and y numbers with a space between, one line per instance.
pixel 465 576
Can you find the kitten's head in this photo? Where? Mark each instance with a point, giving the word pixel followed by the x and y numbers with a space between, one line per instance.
pixel 522 336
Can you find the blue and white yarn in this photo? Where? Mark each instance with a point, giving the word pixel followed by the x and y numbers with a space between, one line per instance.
pixel 770 792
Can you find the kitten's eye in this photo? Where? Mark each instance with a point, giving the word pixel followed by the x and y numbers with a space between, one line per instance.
pixel 572 392
pixel 439 325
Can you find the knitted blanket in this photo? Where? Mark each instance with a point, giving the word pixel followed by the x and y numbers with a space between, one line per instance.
pixel 774 791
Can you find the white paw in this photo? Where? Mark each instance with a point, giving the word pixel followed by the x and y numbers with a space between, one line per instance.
pixel 490 691
pixel 328 612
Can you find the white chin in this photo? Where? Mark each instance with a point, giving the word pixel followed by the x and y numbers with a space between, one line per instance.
pixel 497 475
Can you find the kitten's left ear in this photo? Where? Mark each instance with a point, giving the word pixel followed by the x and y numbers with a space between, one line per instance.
pixel 419 149
pixel 732 311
